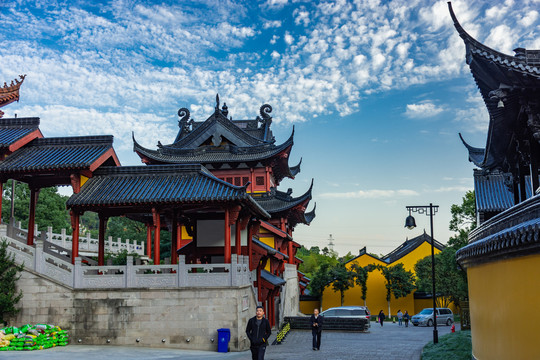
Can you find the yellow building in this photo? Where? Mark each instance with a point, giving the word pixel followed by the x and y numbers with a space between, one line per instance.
pixel 408 254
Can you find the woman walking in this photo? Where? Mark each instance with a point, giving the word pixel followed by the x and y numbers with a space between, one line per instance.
pixel 381 317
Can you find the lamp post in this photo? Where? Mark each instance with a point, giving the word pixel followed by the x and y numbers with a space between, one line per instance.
pixel 410 224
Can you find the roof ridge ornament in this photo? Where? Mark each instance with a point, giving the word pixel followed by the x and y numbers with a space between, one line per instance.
pixel 265 110
pixel 184 123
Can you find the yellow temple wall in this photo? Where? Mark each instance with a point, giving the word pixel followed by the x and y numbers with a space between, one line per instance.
pixel 376 290
pixel 499 306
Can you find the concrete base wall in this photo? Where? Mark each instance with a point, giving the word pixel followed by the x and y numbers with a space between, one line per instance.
pixel 290 293
pixel 186 318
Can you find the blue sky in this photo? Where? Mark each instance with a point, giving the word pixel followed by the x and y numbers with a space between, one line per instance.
pixel 377 90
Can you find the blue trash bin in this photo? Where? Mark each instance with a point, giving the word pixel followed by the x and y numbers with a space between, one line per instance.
pixel 224 336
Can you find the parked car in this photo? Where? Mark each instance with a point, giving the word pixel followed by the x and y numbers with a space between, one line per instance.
pixel 348 312
pixel 425 317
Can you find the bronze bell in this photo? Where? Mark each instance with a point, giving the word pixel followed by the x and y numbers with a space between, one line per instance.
pixel 410 223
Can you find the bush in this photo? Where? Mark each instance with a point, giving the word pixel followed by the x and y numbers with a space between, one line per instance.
pixel 453 346
pixel 9 274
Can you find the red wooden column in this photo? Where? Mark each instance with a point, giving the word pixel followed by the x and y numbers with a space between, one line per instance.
pixel 290 252
pixel 238 238
pixel 1 192
pixel 101 239
pixel 157 225
pixel 227 246
pixel 74 235
pixel 178 236
pixel 174 239
pixel 149 240
pixel 34 193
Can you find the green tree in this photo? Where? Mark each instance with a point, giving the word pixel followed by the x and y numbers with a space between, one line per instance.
pixel 399 282
pixel 320 279
pixel 343 279
pixel 9 274
pixel 464 215
pixel 360 274
pixel 50 207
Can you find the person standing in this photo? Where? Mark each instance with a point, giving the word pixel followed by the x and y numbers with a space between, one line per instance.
pixel 258 331
pixel 399 317
pixel 316 329
pixel 406 318
pixel 381 317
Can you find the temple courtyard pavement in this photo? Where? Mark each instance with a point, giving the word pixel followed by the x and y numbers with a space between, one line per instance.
pixel 389 342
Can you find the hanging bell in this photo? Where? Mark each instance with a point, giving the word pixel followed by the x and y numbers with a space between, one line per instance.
pixel 410 223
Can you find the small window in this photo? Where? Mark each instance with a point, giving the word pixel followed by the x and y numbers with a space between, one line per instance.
pixel 330 313
pixel 343 312
pixel 245 180
pixel 358 312
pixel 229 180
pixel 237 181
pixel 259 180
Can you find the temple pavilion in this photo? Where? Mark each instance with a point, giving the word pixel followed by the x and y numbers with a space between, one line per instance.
pixel 503 255
pixel 214 188
pixel 242 153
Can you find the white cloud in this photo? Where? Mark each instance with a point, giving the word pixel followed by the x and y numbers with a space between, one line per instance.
pixel 529 19
pixel 272 24
pixel 423 110
pixel 288 39
pixel 370 194
pixel 458 189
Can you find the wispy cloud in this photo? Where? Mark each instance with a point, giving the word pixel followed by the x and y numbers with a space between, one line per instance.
pixel 370 194
pixel 423 110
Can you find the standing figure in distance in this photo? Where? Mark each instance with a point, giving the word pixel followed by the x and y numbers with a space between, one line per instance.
pixel 381 317
pixel 399 317
pixel 316 328
pixel 406 317
pixel 258 331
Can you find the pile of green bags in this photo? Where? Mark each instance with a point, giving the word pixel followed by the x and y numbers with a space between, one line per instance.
pixel 32 337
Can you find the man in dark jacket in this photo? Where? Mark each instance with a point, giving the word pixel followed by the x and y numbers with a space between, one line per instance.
pixel 258 331
pixel 316 329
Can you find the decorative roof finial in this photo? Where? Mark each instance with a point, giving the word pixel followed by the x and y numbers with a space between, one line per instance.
pixel 225 110
pixel 217 102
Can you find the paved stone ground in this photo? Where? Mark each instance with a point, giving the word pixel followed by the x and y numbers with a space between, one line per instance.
pixel 389 342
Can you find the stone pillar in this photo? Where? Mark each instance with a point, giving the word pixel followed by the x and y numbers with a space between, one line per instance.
pixel 39 261
pixel 130 272
pixel 77 273
pixel 182 271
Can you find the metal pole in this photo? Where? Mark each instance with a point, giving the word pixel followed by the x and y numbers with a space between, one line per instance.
pixel 435 332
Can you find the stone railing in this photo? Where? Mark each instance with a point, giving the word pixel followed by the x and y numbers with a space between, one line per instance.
pixel 86 243
pixel 130 276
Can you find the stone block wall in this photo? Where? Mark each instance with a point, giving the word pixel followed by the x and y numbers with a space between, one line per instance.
pixel 186 318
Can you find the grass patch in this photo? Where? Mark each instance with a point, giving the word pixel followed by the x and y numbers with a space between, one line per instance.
pixel 453 346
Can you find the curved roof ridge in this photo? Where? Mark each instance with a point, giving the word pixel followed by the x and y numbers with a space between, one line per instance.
pixel 476 155
pixel 468 38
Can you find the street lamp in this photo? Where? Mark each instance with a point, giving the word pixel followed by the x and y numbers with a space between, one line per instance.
pixel 410 224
